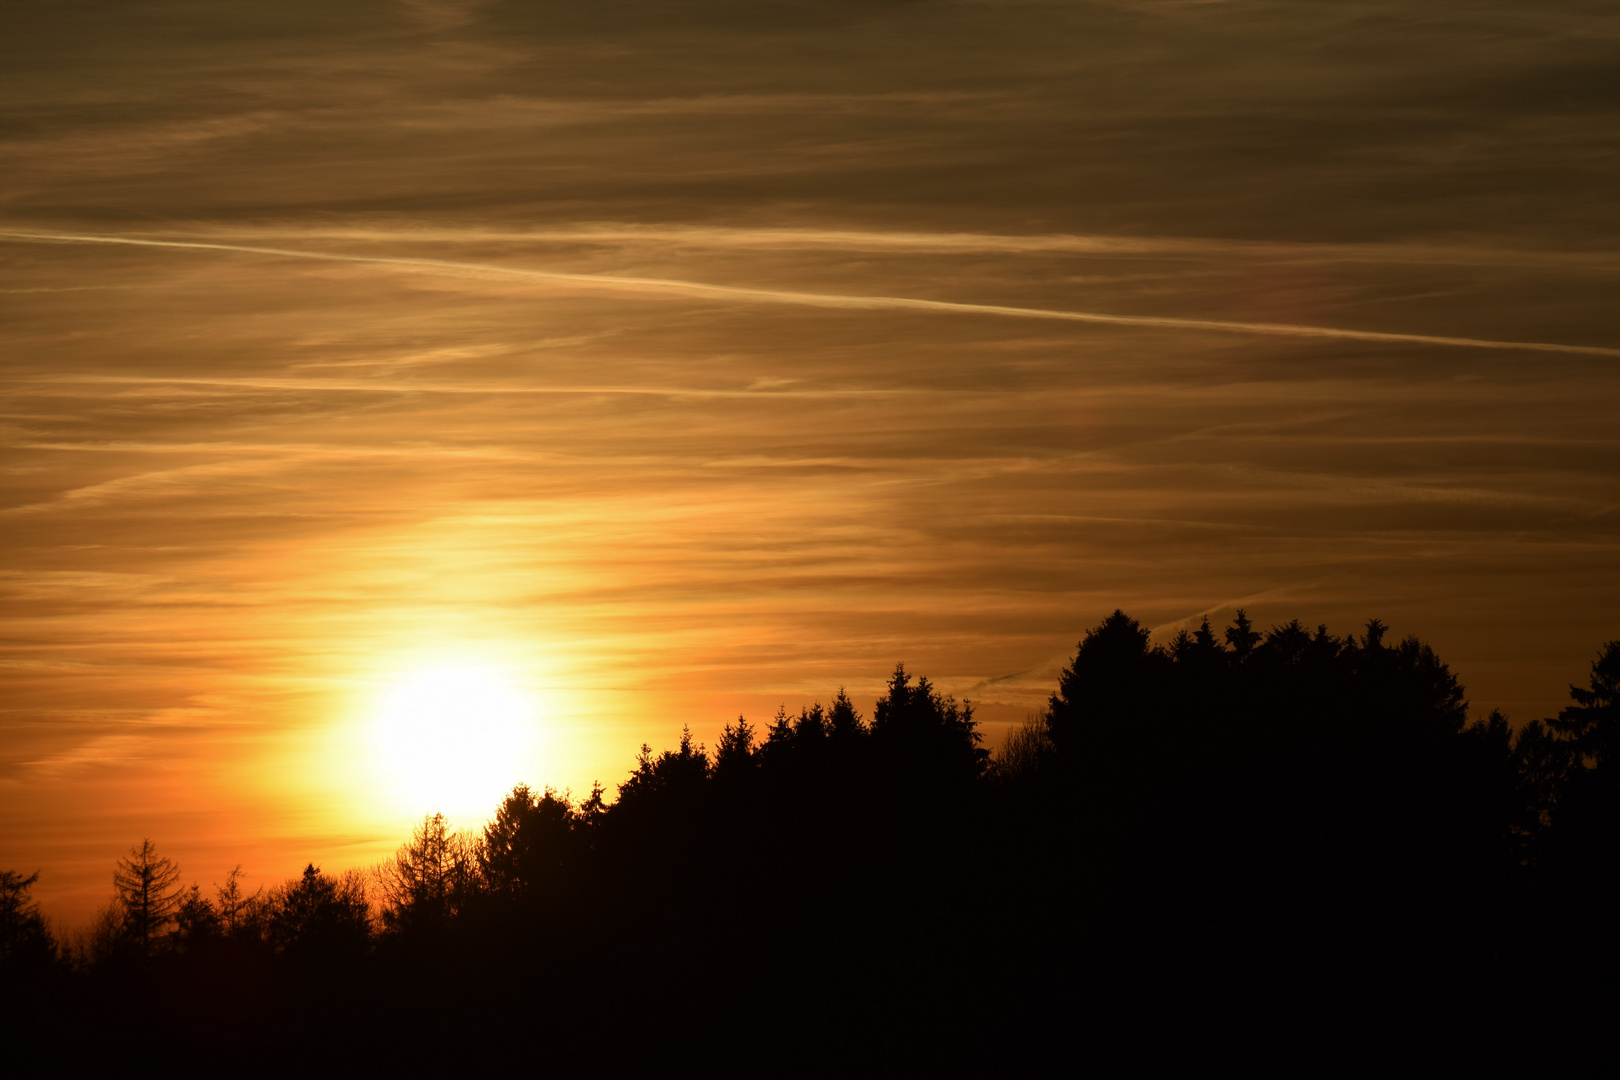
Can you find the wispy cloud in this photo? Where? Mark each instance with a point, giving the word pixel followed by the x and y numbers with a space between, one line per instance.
pixel 103 750
pixel 715 236
pixel 744 294
pixel 697 357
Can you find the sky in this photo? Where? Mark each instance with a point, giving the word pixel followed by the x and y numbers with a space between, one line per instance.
pixel 381 380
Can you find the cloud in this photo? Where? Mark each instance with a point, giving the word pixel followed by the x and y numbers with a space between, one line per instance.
pixel 781 238
pixel 701 356
pixel 743 294
pixel 101 751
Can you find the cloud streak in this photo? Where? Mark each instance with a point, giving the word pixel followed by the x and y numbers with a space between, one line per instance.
pixel 711 236
pixel 744 294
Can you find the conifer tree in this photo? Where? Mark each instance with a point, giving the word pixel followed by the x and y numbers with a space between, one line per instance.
pixel 24 938
pixel 1590 728
pixel 735 750
pixel 843 720
pixel 319 916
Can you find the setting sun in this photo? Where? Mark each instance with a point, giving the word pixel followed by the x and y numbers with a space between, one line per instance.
pixel 453 737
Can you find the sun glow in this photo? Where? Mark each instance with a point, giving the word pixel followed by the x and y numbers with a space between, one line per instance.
pixel 454 737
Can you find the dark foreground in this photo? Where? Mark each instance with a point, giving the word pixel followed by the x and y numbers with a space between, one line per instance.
pixel 1222 846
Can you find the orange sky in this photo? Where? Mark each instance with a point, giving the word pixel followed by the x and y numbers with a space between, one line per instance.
pixel 667 362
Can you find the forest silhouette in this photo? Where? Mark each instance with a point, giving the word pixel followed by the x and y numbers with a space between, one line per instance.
pixel 1216 834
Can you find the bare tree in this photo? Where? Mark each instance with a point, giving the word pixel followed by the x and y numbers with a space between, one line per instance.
pixel 1026 747
pixel 102 940
pixel 146 888
pixel 429 878
pixel 240 915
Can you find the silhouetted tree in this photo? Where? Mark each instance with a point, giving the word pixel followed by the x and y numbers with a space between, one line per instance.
pixel 320 917
pixel 844 722
pixel 1204 638
pixel 1026 750
pixel 104 940
pixel 677 775
pixel 1590 728
pixel 532 846
pixel 504 858
pixel 1580 851
pixel 1242 635
pixel 924 734
pixel 811 726
pixel 1115 677
pixel 429 877
pixel 778 737
pixel 589 814
pixel 735 752
pixel 240 914
pixel 25 940
pixel 197 924
pixel 145 885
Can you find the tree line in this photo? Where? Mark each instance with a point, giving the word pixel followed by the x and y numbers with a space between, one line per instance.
pixel 1294 815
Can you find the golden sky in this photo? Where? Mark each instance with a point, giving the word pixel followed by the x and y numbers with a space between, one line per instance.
pixel 627 365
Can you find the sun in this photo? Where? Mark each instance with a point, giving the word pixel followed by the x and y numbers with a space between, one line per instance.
pixel 454 737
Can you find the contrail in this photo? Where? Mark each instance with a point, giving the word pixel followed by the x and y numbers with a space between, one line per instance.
pixel 943 242
pixel 668 286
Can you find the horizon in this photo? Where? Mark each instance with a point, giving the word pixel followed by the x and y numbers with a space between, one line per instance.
pixel 588 374
pixel 373 852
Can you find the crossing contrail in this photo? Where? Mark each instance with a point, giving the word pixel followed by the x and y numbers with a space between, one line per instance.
pixel 676 287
